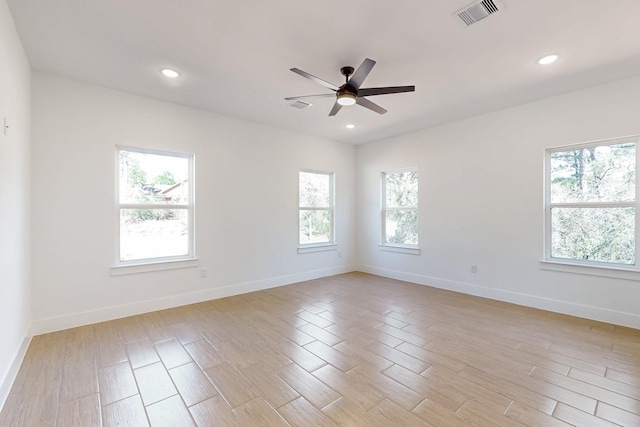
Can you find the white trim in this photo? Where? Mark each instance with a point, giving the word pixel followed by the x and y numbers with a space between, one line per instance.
pixel 152 206
pixel 399 249
pixel 594 205
pixel 400 170
pixel 316 171
pixel 317 248
pixel 120 270
pixel 51 324
pixel 10 374
pixel 616 271
pixel 631 320
pixel 597 143
pixel 154 151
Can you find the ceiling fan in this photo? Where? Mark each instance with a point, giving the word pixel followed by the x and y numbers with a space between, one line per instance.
pixel 350 92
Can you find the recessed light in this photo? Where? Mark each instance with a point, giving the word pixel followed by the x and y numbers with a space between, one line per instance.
pixel 168 72
pixel 549 59
pixel 350 126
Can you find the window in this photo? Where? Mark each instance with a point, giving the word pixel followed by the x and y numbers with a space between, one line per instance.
pixel 591 203
pixel 155 206
pixel 400 208
pixel 315 208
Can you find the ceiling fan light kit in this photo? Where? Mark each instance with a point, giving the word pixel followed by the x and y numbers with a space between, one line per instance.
pixel 350 92
pixel 346 98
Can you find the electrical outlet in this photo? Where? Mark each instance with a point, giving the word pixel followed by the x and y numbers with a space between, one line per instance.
pixel 474 268
pixel 339 254
pixel 5 127
pixel 203 273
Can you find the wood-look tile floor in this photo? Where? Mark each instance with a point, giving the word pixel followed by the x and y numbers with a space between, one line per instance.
pixel 348 350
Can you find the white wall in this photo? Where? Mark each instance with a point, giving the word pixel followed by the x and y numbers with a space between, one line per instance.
pixel 481 194
pixel 480 186
pixel 246 203
pixel 15 77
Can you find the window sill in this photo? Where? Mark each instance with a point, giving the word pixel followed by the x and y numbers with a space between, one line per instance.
pixel 120 270
pixel 317 248
pixel 616 272
pixel 412 250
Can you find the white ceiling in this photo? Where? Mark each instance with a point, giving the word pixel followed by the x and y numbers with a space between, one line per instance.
pixel 235 56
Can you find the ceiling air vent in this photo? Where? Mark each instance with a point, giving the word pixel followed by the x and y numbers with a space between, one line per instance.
pixel 301 104
pixel 477 11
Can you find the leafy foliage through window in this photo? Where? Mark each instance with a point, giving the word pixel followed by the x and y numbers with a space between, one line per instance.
pixel 591 202
pixel 315 208
pixel 400 208
pixel 154 205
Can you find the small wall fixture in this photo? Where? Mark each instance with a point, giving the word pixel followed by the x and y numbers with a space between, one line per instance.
pixel 168 72
pixel 350 126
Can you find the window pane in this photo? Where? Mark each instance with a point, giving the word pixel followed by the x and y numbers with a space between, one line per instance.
pixel 597 174
pixel 315 190
pixel 153 233
pixel 401 227
pixel 153 178
pixel 596 234
pixel 315 226
pixel 401 189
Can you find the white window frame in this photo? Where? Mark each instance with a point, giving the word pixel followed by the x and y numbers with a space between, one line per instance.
pixel 322 246
pixel 397 247
pixel 590 267
pixel 158 263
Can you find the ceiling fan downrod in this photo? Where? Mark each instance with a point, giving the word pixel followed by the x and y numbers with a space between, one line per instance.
pixel 346 72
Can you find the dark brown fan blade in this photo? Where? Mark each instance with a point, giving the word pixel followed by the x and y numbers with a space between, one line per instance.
pixel 361 73
pixel 315 79
pixel 370 91
pixel 324 95
pixel 335 109
pixel 370 105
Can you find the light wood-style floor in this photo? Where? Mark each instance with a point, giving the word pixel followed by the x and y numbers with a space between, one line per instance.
pixel 348 350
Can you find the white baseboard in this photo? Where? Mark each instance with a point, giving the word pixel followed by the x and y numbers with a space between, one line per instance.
pixel 585 311
pixel 9 376
pixel 52 324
